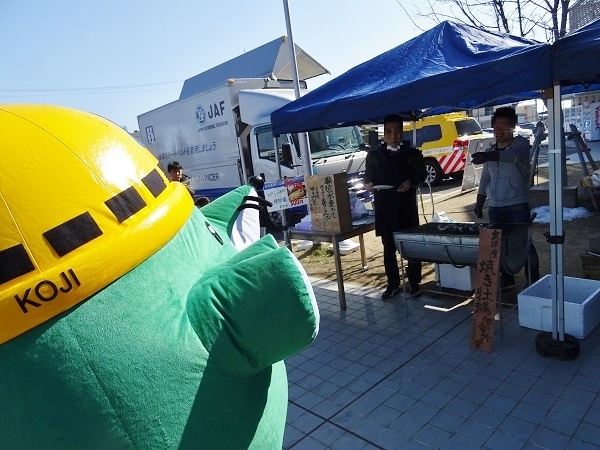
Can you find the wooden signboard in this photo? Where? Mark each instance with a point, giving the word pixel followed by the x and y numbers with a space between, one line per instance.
pixel 329 203
pixel 487 278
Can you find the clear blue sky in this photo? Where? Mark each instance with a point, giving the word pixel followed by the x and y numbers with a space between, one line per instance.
pixel 119 59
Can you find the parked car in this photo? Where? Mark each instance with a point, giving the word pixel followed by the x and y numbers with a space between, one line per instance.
pixel 444 142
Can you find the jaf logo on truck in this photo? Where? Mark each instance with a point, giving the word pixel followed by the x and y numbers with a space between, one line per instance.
pixel 214 110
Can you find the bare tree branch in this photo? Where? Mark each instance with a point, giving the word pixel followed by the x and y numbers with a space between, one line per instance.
pixel 539 19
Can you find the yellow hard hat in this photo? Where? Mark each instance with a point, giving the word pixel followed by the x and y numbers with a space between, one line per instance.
pixel 81 204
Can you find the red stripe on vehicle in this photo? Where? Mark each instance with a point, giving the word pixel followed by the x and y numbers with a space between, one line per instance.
pixel 453 162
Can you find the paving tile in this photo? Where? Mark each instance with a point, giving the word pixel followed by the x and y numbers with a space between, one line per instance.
pixel 523 379
pixel 414 444
pixel 588 383
pixel 291 436
pixel 474 432
pixel 561 423
pixel 447 421
pixel 343 397
pixel 364 405
pixel 309 400
pixel 436 398
pixel 327 433
pixel 500 403
pixel 571 409
pixel 359 385
pixel 450 387
pixel 295 392
pixel 518 428
pixel 309 382
pixel 592 416
pixel 588 433
pixel 293 412
pixel 510 390
pixel 502 441
pixel 306 422
pixel 548 386
pixel 432 436
pixel 400 402
pixel 422 411
pixel 544 401
pixel 311 366
pixel 390 439
pixel 309 443
pixel 458 443
pixel 475 394
pixel 578 444
pixel 407 425
pixel 577 395
pixel 341 378
pixel 530 413
pixel 368 428
pixel 384 414
pixel 374 375
pixel 296 360
pixel 488 417
pixel 325 389
pixel 381 392
pixel 296 374
pixel 550 439
pixel 327 408
pixel 414 389
pixel 348 441
pixel 461 407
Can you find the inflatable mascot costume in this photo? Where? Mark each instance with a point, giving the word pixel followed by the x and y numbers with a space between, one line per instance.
pixel 129 319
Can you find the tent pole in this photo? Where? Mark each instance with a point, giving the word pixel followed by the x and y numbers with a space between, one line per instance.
pixel 556 218
pixel 558 344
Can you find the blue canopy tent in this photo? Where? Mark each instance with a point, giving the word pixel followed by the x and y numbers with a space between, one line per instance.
pixel 575 59
pixel 452 66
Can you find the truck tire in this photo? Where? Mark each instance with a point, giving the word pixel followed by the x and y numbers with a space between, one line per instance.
pixel 434 172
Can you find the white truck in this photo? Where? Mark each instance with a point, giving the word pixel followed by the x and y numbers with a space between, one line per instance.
pixel 222 136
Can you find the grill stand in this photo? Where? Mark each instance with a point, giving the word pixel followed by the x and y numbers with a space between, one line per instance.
pixel 467 262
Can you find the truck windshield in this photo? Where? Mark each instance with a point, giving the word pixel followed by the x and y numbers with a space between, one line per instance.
pixel 334 141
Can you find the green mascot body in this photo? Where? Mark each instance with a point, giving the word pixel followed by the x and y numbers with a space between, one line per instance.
pixel 184 350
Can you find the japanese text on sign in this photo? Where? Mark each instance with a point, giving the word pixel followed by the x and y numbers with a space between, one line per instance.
pixel 286 193
pixel 486 289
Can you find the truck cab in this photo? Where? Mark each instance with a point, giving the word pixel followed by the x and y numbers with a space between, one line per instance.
pixel 332 150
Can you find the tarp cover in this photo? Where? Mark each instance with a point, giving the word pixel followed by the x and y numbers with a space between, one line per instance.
pixel 576 56
pixel 452 66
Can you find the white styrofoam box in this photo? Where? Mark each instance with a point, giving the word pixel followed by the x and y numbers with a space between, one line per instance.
pixel 582 306
pixel 461 278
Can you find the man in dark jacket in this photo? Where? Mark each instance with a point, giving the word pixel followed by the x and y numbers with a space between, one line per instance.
pixel 394 172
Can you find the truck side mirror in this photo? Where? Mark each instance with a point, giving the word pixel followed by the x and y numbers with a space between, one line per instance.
pixel 286 155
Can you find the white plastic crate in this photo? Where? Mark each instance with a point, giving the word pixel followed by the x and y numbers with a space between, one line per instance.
pixel 461 278
pixel 581 300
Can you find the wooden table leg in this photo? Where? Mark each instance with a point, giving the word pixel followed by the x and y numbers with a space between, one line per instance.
pixel 338 272
pixel 363 255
